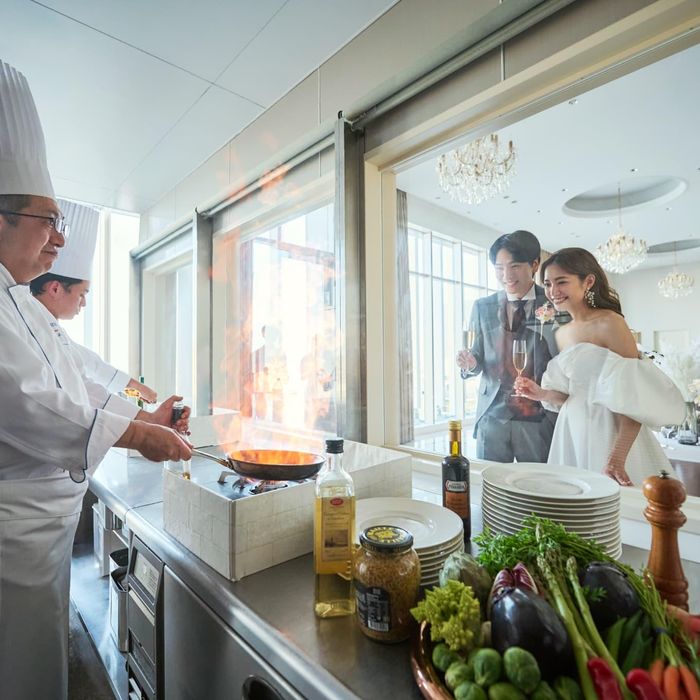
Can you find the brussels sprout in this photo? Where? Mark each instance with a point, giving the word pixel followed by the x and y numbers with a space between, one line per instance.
pixel 521 669
pixel 457 673
pixel 505 691
pixel 469 691
pixel 543 691
pixel 487 667
pixel 443 656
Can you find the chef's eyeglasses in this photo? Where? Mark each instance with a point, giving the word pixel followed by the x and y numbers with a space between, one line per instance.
pixel 57 223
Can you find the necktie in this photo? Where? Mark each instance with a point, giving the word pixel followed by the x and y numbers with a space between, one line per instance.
pixel 518 315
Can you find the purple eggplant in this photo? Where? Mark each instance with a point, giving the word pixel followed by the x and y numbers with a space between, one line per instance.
pixel 619 600
pixel 521 618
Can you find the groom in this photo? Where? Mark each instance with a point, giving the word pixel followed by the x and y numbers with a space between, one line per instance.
pixel 509 427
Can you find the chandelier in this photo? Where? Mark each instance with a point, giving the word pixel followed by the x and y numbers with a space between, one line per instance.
pixel 477 171
pixel 676 284
pixel 621 252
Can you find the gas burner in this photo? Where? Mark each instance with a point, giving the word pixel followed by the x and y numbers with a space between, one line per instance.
pixel 265 486
pixel 246 486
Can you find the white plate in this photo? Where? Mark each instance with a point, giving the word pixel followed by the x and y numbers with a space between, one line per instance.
pixel 427 561
pixel 439 549
pixel 578 524
pixel 590 532
pixel 561 483
pixel 545 511
pixel 560 516
pixel 544 502
pixel 499 525
pixel 431 525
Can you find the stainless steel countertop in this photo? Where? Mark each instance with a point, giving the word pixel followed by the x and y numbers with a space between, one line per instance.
pixel 273 609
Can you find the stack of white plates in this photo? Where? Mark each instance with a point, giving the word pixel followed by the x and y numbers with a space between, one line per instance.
pixel 583 502
pixel 437 531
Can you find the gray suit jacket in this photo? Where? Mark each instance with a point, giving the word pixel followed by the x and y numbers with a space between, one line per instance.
pixel 489 317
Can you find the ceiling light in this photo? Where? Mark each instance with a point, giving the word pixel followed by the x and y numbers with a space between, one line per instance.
pixel 477 171
pixel 634 170
pixel 573 102
pixel 621 252
pixel 676 284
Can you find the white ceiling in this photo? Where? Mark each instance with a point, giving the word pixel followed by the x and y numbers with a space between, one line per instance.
pixel 135 95
pixel 646 120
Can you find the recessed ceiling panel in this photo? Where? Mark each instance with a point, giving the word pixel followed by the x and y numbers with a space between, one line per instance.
pixel 298 39
pixel 204 129
pixel 203 37
pixel 102 105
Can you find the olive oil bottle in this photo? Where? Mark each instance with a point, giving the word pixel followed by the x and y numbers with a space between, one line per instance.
pixel 455 479
pixel 334 532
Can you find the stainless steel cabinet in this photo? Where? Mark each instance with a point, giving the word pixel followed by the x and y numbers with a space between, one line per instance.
pixel 206 660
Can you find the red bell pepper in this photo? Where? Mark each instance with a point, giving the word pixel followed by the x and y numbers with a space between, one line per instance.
pixel 604 680
pixel 643 685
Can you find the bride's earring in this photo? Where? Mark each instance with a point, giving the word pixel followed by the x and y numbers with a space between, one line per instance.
pixel 589 296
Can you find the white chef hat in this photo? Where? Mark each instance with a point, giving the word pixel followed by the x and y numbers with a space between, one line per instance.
pixel 75 258
pixel 23 168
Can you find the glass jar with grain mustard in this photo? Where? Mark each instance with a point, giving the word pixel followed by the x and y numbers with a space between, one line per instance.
pixel 386 575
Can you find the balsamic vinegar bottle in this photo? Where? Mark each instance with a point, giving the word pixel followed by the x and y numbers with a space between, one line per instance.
pixel 455 479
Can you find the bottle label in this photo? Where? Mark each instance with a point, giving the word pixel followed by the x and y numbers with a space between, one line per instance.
pixel 373 607
pixel 456 496
pixel 336 519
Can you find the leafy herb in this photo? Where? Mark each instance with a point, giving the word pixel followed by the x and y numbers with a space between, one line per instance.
pixel 538 537
pixel 594 595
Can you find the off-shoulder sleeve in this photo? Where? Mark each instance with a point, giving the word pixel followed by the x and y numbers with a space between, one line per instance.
pixel 554 379
pixel 638 389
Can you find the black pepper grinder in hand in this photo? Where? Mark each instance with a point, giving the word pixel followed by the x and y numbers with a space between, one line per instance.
pixel 178 410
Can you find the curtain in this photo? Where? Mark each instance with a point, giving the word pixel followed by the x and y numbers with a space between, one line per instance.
pixel 403 307
pixel 246 352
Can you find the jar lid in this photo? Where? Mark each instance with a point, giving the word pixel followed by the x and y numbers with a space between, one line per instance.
pixel 388 539
pixel 334 446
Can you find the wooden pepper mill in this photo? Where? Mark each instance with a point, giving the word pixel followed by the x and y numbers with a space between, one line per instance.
pixel 665 495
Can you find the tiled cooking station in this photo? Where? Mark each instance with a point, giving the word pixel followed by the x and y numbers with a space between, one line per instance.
pixel 238 536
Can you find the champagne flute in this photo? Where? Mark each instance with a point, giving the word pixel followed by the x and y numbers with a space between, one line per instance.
pixel 519 357
pixel 468 336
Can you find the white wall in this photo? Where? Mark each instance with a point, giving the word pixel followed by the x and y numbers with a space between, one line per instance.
pixel 436 218
pixel 647 311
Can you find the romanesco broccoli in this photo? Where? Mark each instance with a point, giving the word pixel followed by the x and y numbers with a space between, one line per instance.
pixel 454 615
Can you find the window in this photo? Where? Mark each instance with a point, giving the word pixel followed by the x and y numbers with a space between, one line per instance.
pixel 276 297
pixel 167 320
pixel 446 277
pixel 103 325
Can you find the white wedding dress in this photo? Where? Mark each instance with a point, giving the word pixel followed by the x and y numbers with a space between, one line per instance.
pixel 600 383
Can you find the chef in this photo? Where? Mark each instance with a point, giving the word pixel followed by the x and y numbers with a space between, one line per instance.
pixel 50 436
pixel 63 292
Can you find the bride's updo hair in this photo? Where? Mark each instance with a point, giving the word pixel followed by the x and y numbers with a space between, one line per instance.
pixel 580 262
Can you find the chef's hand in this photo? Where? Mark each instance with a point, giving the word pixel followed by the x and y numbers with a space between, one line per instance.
pixel 147 394
pixel 465 360
pixel 155 442
pixel 529 389
pixel 163 415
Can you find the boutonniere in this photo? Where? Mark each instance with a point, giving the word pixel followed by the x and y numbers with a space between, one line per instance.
pixel 545 314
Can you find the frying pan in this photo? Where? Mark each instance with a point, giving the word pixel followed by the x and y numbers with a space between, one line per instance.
pixel 271 465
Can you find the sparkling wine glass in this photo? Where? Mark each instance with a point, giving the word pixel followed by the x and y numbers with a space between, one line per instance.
pixel 519 357
pixel 468 336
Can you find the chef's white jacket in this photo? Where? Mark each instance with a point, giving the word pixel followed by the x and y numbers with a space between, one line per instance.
pixel 54 426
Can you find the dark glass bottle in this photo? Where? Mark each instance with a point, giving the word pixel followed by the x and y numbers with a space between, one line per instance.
pixel 455 479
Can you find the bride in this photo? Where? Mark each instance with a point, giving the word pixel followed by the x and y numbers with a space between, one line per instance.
pixel 605 393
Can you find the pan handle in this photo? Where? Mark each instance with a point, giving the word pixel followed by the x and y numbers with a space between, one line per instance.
pixel 219 460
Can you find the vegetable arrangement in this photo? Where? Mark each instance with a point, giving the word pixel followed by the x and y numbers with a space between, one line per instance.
pixel 566 621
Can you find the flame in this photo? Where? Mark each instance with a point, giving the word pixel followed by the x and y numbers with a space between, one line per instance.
pixel 280 458
pixel 279 333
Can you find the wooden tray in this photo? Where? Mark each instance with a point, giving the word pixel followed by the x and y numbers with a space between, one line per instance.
pixel 429 681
